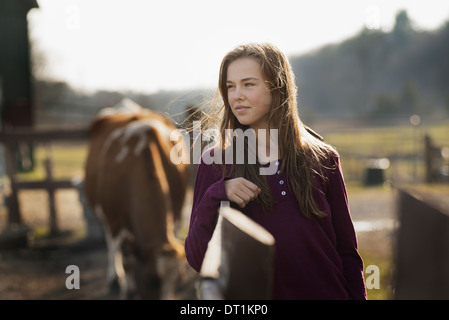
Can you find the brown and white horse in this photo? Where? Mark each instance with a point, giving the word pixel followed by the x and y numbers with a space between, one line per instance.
pixel 138 194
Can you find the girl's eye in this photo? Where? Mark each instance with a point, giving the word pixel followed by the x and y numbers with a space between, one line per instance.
pixel 249 84
pixel 229 86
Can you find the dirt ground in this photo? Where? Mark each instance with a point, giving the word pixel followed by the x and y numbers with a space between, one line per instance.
pixel 38 272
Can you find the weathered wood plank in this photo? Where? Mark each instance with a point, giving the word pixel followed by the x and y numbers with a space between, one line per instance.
pixel 238 264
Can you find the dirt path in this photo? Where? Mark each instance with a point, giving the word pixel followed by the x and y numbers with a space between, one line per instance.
pixel 373 211
pixel 38 272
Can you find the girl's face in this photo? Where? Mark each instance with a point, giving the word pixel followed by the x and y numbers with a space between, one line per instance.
pixel 248 94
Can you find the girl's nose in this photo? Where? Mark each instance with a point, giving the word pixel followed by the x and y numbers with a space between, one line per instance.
pixel 239 93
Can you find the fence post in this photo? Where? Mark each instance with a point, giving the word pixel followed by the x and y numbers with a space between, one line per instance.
pixel 16 233
pixel 422 247
pixel 14 216
pixel 51 197
pixel 239 260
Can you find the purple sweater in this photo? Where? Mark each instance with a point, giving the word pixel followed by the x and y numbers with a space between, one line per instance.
pixel 314 258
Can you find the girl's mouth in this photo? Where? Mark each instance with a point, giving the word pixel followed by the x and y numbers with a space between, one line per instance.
pixel 241 108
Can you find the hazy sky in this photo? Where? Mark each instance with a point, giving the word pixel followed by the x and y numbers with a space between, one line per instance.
pixel 146 45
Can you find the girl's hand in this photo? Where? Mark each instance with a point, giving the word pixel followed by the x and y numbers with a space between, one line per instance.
pixel 241 191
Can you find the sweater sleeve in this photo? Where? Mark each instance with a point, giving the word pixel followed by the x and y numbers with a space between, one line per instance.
pixel 345 233
pixel 209 191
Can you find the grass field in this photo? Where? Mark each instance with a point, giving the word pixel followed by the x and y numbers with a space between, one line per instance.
pixel 402 145
pixel 385 265
pixel 68 162
pixel 356 145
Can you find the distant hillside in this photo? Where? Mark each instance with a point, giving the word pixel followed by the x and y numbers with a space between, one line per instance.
pixel 377 74
pixel 374 74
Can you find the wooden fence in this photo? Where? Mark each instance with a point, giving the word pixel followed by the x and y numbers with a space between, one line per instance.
pixel 238 264
pixel 10 139
pixel 422 247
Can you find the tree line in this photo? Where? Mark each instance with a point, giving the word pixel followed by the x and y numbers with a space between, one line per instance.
pixel 377 73
pixel 374 74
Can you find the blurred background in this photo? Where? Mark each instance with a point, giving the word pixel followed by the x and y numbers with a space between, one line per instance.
pixel 373 79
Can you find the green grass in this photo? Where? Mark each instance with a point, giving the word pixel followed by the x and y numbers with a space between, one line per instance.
pixel 355 145
pixel 387 139
pixel 385 265
pixel 373 252
pixel 403 145
pixel 68 161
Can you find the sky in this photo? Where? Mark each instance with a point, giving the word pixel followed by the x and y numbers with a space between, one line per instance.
pixel 148 46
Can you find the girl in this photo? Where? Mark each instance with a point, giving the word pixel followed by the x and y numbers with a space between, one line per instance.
pixel 303 204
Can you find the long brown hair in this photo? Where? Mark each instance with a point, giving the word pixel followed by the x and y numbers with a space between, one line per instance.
pixel 302 153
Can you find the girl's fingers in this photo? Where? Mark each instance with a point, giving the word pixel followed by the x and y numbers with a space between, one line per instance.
pixel 241 191
pixel 253 187
pixel 236 199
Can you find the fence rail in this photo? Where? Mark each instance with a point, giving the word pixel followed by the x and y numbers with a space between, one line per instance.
pixel 10 138
pixel 237 245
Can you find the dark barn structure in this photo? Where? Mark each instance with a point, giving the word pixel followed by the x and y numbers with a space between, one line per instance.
pixel 18 133
pixel 16 94
pixel 15 67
